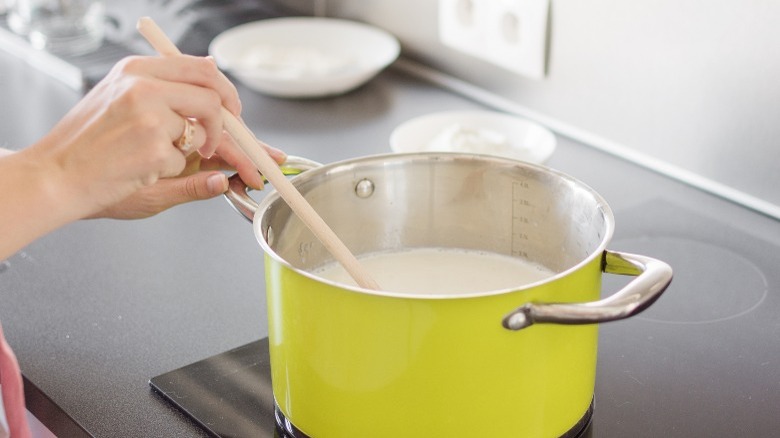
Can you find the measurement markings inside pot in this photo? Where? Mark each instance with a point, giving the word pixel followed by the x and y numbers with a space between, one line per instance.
pixel 521 222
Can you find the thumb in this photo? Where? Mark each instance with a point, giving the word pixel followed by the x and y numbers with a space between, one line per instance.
pixel 166 193
pixel 199 186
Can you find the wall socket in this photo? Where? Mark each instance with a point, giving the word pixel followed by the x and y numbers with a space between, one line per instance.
pixel 509 33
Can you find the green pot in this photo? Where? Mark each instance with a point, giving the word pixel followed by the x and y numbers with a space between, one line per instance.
pixel 348 361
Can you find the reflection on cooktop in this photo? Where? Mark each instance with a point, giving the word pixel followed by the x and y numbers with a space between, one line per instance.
pixel 228 394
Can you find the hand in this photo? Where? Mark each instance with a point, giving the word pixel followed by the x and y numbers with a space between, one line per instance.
pixel 196 182
pixel 113 154
pixel 120 138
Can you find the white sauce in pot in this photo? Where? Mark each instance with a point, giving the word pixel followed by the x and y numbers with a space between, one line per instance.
pixel 441 271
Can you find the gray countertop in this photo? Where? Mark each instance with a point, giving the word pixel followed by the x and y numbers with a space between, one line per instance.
pixel 95 309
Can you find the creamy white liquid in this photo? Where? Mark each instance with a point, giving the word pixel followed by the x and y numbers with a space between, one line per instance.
pixel 440 271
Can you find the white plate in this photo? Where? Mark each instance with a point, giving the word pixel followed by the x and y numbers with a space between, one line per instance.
pixel 298 57
pixel 480 132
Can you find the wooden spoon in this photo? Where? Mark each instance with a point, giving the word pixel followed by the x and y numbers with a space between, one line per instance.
pixel 255 150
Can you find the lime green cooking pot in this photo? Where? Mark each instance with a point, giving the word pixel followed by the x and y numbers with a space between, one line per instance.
pixel 521 362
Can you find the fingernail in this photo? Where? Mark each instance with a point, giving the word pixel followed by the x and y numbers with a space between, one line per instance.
pixel 205 154
pixel 217 183
pixel 279 155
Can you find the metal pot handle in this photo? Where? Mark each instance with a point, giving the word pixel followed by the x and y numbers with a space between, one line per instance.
pixel 239 199
pixel 652 278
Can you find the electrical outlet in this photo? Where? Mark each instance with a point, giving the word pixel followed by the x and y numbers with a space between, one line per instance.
pixel 509 33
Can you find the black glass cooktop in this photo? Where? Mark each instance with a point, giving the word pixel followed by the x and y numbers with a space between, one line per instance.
pixel 229 394
pixel 719 302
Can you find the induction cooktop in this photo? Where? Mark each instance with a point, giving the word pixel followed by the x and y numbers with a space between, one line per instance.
pixel 718 318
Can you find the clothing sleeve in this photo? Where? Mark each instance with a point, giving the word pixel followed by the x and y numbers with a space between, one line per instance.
pixel 12 389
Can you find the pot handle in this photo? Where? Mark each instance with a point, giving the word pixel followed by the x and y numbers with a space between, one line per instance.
pixel 239 199
pixel 652 278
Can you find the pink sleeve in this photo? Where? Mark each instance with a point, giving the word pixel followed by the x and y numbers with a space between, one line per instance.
pixel 13 391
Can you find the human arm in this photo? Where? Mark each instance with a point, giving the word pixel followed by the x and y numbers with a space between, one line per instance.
pixel 112 155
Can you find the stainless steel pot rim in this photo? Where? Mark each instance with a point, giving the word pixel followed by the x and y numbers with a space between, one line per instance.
pixel 339 166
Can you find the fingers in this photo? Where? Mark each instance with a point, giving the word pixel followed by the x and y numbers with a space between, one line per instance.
pixel 192 70
pixel 194 87
pixel 203 185
pixel 231 154
pixel 174 191
pixel 167 193
pixel 277 154
pixel 201 104
pixel 231 157
pixel 233 107
pixel 177 87
pixel 190 86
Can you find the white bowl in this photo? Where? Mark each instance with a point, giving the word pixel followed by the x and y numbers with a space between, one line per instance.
pixel 479 132
pixel 298 57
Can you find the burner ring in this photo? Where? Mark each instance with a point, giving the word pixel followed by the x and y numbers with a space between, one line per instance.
pixel 735 285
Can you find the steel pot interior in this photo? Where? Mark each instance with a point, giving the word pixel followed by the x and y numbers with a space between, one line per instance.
pixel 389 202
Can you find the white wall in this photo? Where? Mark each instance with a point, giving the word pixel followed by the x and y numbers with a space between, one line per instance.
pixel 692 82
